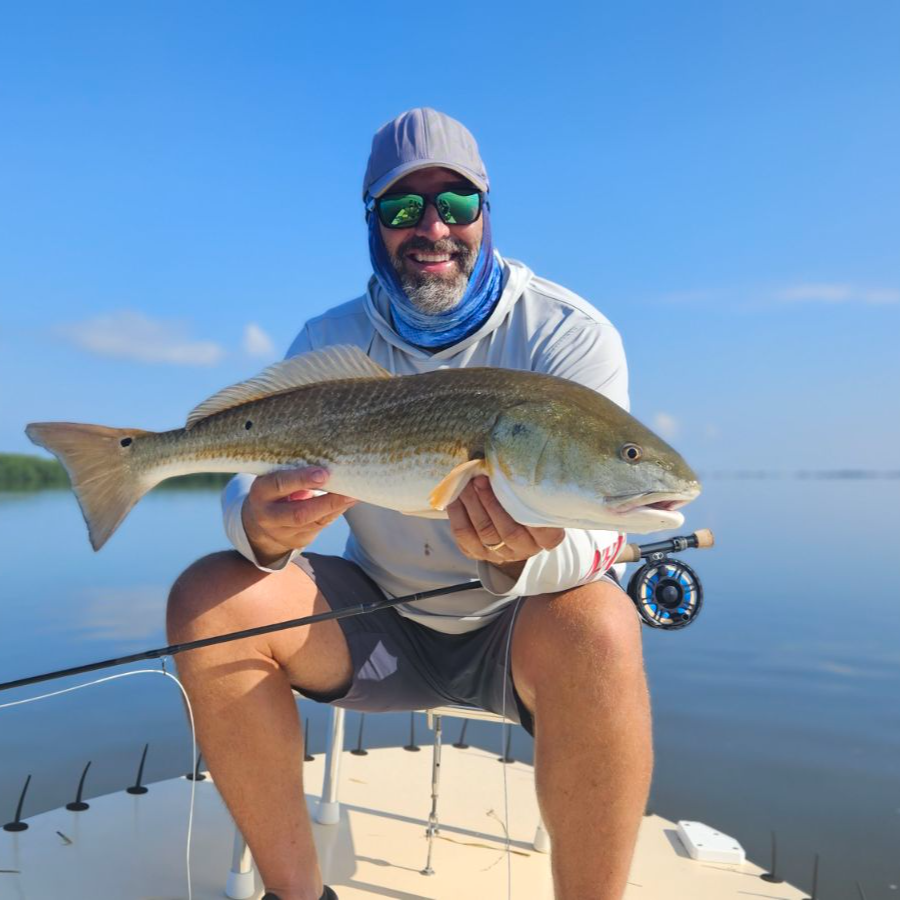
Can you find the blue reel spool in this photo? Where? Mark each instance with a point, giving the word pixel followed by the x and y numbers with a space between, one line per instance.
pixel 667 593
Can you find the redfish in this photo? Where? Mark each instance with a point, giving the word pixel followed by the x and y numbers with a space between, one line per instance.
pixel 557 453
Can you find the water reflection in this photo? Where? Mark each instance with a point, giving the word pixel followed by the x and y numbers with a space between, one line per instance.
pixel 123 613
pixel 777 709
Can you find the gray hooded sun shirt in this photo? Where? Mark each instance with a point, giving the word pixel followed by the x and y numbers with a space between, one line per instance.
pixel 536 326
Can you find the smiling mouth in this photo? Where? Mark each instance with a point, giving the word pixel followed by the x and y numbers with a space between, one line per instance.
pixel 430 257
pixel 431 262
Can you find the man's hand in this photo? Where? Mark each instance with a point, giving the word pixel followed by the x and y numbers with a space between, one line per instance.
pixel 478 520
pixel 281 514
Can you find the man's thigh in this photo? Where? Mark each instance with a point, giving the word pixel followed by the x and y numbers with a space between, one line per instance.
pixel 390 668
pixel 399 664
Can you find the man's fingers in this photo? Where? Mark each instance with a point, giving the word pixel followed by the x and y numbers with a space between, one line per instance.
pixel 484 525
pixel 463 533
pixel 284 482
pixel 515 536
pixel 304 513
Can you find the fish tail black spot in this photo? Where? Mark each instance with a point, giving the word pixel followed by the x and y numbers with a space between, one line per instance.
pixel 248 425
pixel 125 442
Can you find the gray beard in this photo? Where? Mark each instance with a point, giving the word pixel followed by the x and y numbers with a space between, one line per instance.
pixel 435 294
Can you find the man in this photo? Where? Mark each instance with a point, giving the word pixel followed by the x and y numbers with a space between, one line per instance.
pixel 440 297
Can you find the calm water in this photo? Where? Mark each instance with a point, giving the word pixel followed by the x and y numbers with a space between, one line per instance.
pixel 778 710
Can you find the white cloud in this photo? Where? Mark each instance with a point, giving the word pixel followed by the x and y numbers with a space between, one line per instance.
pixel 257 342
pixel 837 293
pixel 132 335
pixel 666 425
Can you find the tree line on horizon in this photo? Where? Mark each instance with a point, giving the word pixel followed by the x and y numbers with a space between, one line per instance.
pixel 22 472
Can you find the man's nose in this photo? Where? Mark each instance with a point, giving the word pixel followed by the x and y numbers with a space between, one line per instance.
pixel 431 226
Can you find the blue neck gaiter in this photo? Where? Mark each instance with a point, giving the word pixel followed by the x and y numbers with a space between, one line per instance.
pixel 442 329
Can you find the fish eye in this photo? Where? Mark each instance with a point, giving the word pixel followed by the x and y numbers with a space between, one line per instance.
pixel 631 453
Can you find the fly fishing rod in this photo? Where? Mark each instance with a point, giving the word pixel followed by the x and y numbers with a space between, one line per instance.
pixel 629 553
pixel 666 591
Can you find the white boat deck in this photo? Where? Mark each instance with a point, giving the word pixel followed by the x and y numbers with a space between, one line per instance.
pixel 129 847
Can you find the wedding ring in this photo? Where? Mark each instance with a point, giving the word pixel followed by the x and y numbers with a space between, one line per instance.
pixel 495 547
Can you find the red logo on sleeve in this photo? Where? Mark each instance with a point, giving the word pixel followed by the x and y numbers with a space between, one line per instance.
pixel 603 559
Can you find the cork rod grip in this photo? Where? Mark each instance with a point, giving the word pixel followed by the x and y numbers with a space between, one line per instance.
pixel 629 553
pixel 701 539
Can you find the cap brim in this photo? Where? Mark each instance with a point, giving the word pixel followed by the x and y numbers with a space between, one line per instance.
pixel 384 184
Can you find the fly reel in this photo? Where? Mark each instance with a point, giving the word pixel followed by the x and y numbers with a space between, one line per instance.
pixel 666 591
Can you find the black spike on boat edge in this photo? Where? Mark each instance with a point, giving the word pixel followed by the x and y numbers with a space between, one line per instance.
pixel 17 824
pixel 412 746
pixel 359 751
pixel 137 787
pixel 461 743
pixel 307 756
pixel 772 876
pixel 78 805
pixel 196 775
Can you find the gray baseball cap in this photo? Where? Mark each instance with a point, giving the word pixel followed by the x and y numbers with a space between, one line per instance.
pixel 418 139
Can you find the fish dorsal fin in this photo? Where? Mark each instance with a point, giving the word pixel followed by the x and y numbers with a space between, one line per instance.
pixel 331 364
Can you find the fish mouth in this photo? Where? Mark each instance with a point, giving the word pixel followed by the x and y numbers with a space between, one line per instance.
pixel 651 510
pixel 657 500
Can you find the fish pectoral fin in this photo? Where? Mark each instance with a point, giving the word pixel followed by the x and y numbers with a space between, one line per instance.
pixel 450 487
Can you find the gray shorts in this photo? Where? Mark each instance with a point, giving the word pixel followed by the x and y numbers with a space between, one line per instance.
pixel 401 665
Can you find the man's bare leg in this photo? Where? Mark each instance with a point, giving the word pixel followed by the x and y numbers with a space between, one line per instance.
pixel 246 716
pixel 578 667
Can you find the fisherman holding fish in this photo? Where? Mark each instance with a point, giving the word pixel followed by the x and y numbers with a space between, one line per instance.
pixel 480 466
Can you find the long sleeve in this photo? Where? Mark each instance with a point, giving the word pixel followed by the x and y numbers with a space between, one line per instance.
pixel 591 354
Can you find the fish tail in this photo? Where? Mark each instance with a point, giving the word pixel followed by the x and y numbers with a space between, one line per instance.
pixel 100 465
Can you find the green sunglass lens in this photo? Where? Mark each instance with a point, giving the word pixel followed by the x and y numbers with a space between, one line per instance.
pixel 400 211
pixel 457 209
pixel 405 210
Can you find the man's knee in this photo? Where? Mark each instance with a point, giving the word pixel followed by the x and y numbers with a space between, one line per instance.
pixel 589 629
pixel 600 614
pixel 204 586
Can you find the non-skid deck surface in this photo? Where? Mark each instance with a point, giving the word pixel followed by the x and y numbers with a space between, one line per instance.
pixel 132 847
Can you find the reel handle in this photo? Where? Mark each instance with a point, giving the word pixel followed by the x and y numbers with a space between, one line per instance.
pixel 701 539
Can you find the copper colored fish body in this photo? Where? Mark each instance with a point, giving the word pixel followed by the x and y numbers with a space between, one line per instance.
pixel 557 453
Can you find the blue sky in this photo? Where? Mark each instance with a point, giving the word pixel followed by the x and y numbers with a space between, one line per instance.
pixel 179 191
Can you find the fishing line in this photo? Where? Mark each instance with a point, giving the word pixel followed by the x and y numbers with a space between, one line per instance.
pixel 78 687
pixel 507 675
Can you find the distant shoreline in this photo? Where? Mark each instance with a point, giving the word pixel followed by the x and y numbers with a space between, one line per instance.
pixel 23 472
pixel 804 475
